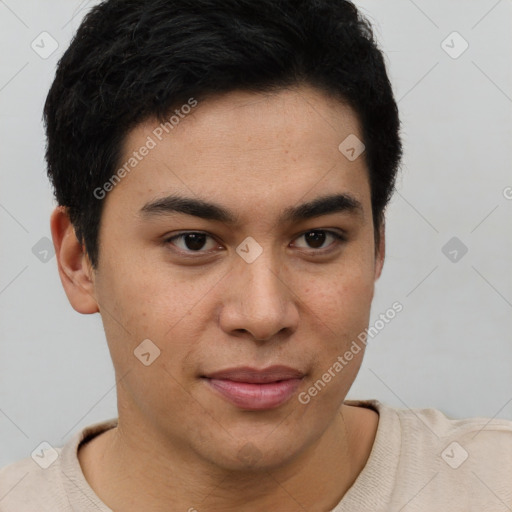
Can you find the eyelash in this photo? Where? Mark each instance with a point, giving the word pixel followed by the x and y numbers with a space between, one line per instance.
pixel 339 238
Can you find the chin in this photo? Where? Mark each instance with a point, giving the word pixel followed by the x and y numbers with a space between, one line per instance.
pixel 252 456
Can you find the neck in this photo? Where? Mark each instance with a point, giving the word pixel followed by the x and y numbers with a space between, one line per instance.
pixel 130 475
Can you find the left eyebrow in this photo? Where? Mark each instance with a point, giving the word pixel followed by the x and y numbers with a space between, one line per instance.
pixel 324 205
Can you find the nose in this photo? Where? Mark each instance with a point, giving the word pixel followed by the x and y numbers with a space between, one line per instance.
pixel 258 301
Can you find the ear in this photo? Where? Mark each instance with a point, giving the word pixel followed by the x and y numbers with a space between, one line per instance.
pixel 75 270
pixel 380 250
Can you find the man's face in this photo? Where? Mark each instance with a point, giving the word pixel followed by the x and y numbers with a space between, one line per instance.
pixel 211 301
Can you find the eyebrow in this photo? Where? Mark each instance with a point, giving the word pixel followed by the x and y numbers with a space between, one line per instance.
pixel 324 205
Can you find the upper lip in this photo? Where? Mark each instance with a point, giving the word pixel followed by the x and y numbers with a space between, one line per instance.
pixel 255 376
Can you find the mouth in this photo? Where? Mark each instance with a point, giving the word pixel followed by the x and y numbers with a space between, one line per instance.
pixel 255 390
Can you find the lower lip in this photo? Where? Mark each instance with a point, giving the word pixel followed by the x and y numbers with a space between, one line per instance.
pixel 255 397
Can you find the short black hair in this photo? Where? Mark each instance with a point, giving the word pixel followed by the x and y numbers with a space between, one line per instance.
pixel 133 60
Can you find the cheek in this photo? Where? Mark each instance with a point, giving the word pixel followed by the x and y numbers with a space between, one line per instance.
pixel 339 314
pixel 338 308
pixel 141 305
pixel 150 298
pixel 341 299
pixel 142 302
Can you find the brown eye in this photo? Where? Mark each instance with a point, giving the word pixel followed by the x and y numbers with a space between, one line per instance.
pixel 191 241
pixel 316 238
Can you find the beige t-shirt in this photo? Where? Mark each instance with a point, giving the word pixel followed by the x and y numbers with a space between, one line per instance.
pixel 421 460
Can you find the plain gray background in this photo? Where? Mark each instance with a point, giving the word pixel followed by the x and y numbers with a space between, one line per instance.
pixel 450 348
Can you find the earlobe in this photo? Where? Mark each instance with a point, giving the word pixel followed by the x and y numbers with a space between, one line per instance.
pixel 380 251
pixel 76 273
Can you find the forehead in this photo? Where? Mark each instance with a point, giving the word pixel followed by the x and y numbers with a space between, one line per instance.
pixel 246 148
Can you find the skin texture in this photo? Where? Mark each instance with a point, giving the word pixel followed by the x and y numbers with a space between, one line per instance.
pixel 180 445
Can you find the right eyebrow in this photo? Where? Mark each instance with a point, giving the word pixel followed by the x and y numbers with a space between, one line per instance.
pixel 189 206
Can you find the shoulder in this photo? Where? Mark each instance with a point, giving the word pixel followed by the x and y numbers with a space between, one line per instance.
pixel 431 461
pixel 426 427
pixel 51 479
pixel 430 428
pixel 465 461
pixel 30 486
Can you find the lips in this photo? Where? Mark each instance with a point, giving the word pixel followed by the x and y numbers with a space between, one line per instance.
pixel 252 389
pixel 254 376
